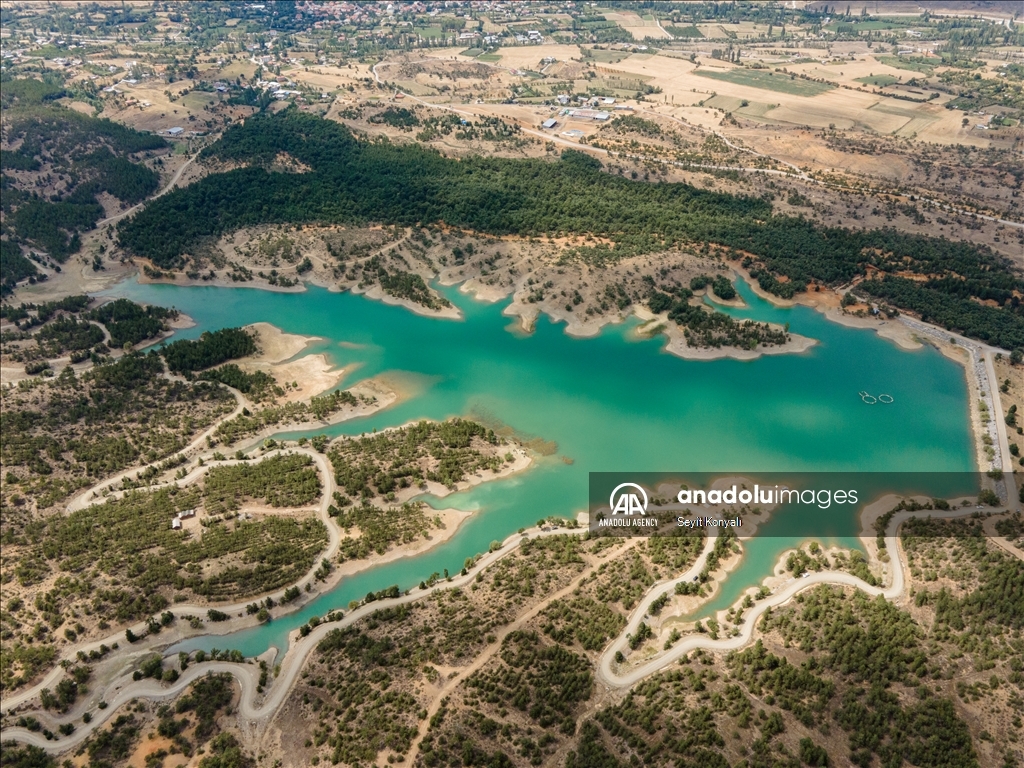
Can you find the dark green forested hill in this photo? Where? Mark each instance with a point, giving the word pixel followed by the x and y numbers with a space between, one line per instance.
pixel 89 155
pixel 355 181
pixel 13 266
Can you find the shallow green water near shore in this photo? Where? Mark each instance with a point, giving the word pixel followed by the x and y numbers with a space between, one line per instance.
pixel 611 403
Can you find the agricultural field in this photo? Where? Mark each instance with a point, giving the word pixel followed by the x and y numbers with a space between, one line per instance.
pixel 911 64
pixel 770 81
pixel 604 56
pixel 639 27
pixel 880 81
pixel 684 32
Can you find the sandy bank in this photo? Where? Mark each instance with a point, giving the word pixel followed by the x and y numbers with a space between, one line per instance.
pixel 737 303
pixel 521 459
pixel 828 303
pixel 678 345
pixel 909 334
pixel 451 519
pixel 377 395
pixel 580 328
pixel 309 376
pixel 580 325
pixel 215 282
pixel 181 322
pixel 481 291
pixel 301 379
pixel 377 293
pixel 796 344
pixel 893 330
pixel 276 346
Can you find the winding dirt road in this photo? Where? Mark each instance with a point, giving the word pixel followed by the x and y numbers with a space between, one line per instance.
pixel 610 675
pixel 181 610
pixel 170 185
pixel 254 710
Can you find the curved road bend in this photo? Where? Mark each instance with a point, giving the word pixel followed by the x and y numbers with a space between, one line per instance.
pixel 161 193
pixel 181 610
pixel 608 672
pixel 253 712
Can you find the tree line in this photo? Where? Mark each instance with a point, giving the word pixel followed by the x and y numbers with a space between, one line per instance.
pixel 210 349
pixel 355 181
pixel 131 323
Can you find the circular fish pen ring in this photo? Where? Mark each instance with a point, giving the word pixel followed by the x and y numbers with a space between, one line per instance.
pixel 869 399
pixel 885 399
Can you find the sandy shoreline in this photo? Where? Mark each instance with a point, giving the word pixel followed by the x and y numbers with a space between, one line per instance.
pixel 451 520
pixel 217 282
pixel 376 293
pixel 276 346
pixel 904 334
pixel 893 330
pixel 313 374
pixel 373 292
pixel 301 378
pixel 796 345
pixel 368 388
pixel 974 396
pixel 652 324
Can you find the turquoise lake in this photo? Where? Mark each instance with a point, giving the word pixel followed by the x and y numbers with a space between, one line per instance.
pixel 611 403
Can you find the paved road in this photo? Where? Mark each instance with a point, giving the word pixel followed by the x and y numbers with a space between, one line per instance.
pixel 1006 458
pixel 982 365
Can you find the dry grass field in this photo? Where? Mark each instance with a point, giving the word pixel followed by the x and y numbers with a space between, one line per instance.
pixel 639 28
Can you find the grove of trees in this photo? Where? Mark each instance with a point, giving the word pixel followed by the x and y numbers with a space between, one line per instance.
pixel 354 181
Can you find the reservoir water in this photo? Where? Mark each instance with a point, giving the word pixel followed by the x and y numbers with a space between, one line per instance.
pixel 611 403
